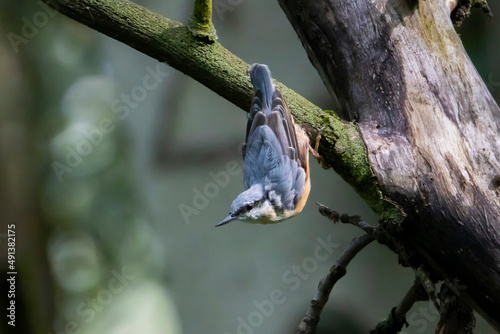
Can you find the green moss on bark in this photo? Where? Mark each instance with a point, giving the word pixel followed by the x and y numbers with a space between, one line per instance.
pixel 200 23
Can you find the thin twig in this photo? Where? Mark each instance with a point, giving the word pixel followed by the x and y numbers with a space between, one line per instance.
pixel 380 232
pixel 200 23
pixel 397 318
pixel 345 219
pixel 310 321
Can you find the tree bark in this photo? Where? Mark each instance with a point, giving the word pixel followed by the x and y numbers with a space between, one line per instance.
pixel 431 128
pixel 422 149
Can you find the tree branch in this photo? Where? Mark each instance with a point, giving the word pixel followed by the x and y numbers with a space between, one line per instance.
pixel 385 234
pixel 310 321
pixel 345 219
pixel 221 71
pixel 463 8
pixel 397 318
pixel 200 23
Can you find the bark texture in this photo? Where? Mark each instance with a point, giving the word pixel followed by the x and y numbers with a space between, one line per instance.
pixel 432 129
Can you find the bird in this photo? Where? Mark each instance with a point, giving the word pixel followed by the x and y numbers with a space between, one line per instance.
pixel 276 171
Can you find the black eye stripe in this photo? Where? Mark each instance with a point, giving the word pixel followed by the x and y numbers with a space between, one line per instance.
pixel 247 207
pixel 243 209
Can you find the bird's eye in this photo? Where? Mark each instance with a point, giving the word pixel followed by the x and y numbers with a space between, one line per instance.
pixel 248 207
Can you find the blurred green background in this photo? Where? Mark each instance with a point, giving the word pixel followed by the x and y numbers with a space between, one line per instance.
pixel 102 165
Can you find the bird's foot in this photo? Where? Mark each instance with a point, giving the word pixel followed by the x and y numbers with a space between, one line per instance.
pixel 315 153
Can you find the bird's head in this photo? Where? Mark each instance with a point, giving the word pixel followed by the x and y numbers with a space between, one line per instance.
pixel 254 205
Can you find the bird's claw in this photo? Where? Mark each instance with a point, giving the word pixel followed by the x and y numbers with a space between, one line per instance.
pixel 315 153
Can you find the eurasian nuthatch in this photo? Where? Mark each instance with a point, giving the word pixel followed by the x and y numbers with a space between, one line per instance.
pixel 275 158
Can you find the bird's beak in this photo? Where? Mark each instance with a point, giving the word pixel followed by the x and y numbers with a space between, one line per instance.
pixel 226 220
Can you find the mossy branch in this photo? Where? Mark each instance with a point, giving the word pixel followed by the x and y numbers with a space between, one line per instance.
pixel 221 71
pixel 200 22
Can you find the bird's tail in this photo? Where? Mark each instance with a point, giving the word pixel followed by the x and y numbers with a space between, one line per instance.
pixel 263 86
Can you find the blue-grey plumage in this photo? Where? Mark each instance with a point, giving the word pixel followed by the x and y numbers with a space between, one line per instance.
pixel 263 86
pixel 275 158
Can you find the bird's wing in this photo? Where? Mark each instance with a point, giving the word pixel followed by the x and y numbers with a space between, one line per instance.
pixel 285 127
pixel 269 108
pixel 263 155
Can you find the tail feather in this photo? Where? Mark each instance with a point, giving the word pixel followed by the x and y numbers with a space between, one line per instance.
pixel 263 86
